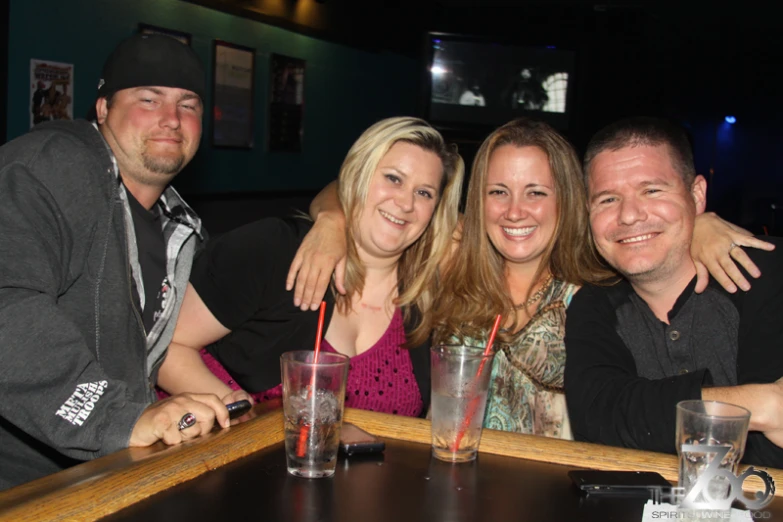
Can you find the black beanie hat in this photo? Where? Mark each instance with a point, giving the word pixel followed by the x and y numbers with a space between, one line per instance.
pixel 151 60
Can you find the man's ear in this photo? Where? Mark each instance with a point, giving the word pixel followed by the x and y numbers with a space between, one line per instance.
pixel 586 183
pixel 699 193
pixel 101 110
pixel 588 206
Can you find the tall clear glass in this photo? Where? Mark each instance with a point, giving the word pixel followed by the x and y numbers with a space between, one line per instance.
pixel 313 397
pixel 460 380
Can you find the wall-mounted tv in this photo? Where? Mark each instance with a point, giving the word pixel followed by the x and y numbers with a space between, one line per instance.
pixel 473 82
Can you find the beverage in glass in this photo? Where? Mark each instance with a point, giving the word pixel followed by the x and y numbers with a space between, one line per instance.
pixel 709 430
pixel 313 396
pixel 460 380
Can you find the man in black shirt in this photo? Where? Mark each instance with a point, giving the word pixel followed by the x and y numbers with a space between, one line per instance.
pixel 95 254
pixel 637 348
pixel 152 259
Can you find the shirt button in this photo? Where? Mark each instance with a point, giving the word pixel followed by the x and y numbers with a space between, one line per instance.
pixel 683 372
pixel 674 335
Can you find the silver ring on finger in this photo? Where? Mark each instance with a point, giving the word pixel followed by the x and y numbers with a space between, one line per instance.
pixel 186 421
pixel 732 247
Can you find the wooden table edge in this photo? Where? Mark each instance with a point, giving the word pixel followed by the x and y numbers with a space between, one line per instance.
pixel 104 486
pixel 544 449
pixel 99 488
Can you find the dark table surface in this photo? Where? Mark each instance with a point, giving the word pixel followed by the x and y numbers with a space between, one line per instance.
pixel 405 484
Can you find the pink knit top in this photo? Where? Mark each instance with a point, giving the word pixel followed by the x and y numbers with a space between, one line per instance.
pixel 379 379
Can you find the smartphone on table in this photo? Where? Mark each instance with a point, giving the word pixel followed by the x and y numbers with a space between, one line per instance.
pixel 356 441
pixel 618 483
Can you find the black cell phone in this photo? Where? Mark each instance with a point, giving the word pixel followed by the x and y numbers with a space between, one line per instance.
pixel 237 409
pixel 355 441
pixel 620 483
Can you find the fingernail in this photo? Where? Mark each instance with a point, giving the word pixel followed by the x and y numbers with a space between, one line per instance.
pixel 745 287
pixel 732 289
pixel 297 301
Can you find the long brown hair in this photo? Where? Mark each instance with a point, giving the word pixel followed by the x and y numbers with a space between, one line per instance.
pixel 474 289
pixel 417 270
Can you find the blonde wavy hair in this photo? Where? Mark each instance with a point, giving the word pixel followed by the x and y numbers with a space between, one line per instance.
pixel 417 268
pixel 474 289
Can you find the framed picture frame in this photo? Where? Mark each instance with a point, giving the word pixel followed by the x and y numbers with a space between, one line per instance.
pixel 51 91
pixel 286 103
pixel 152 29
pixel 233 75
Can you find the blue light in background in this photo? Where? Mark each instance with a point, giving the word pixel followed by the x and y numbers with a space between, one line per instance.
pixel 551 47
pixel 731 120
pixel 725 135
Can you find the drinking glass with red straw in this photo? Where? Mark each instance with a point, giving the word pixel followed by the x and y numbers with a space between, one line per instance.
pixel 474 403
pixel 304 432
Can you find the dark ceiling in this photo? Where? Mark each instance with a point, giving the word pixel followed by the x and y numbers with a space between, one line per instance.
pixel 632 57
pixel 397 25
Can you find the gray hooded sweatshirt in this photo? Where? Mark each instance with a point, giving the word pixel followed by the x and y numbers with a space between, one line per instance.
pixel 76 366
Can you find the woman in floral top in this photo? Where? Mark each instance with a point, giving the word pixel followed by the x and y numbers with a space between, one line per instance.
pixel 524 251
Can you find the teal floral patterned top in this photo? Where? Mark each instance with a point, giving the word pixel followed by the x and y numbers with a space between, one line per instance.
pixel 526 386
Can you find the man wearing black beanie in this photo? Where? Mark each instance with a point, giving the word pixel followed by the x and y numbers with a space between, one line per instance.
pixel 95 255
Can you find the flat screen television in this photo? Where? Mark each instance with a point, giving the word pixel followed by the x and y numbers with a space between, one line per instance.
pixel 473 82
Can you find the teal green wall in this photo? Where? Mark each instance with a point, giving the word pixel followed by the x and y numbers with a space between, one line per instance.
pixel 345 89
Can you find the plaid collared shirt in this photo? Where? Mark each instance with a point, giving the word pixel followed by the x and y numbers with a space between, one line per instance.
pixel 178 222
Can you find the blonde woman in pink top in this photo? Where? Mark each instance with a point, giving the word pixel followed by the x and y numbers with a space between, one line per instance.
pixel 399 189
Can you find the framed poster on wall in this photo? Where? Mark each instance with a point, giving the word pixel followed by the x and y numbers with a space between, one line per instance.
pixel 286 106
pixel 232 95
pixel 179 35
pixel 51 91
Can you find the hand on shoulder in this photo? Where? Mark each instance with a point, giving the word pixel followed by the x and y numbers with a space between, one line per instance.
pixel 717 250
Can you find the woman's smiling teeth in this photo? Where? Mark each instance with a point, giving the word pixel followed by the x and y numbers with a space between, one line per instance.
pixel 518 231
pixel 636 239
pixel 392 218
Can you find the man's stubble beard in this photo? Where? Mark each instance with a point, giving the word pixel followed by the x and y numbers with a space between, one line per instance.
pixel 169 166
pixel 659 272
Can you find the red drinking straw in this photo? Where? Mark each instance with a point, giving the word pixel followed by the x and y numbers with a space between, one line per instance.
pixel 301 444
pixel 318 333
pixel 473 404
